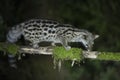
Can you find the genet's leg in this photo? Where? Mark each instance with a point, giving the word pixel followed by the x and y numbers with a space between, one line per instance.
pixel 86 44
pixel 64 42
pixel 35 45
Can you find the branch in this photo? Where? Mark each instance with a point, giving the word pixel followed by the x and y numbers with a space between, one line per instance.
pixel 59 54
pixel 75 54
pixel 40 50
pixel 50 50
pixel 85 54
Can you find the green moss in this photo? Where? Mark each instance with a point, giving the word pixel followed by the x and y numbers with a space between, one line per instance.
pixel 109 56
pixel 12 49
pixel 60 53
pixel 9 48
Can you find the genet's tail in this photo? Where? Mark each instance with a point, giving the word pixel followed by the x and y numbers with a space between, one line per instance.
pixel 14 34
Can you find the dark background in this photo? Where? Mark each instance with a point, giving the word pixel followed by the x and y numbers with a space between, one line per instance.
pixel 98 16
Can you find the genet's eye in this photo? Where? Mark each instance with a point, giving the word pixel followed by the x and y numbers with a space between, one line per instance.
pixel 85 37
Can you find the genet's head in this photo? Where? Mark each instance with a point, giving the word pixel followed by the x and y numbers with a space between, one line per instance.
pixel 90 41
pixel 85 37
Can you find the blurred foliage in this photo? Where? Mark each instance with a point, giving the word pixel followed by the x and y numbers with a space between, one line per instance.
pixel 98 16
pixel 2 27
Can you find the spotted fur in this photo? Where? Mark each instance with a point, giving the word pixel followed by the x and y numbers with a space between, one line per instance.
pixel 39 30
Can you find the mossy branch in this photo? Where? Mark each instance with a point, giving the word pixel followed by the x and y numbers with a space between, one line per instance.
pixel 9 48
pixel 59 53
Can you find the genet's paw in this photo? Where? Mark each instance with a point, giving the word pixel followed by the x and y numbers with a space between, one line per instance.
pixel 88 48
pixel 53 44
pixel 35 46
pixel 68 48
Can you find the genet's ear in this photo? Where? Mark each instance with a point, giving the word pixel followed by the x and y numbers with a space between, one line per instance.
pixel 96 36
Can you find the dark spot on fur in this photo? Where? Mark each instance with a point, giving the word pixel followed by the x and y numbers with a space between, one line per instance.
pixel 51 26
pixel 31 37
pixel 68 33
pixel 30 29
pixel 53 32
pixel 35 25
pixel 36 37
pixel 26 23
pixel 55 22
pixel 43 21
pixel 40 33
pixel 46 37
pixel 25 27
pixel 39 29
pixel 38 21
pixel 36 33
pixel 44 25
pixel 52 35
pixel 33 33
pixel 49 36
pixel 34 29
pixel 49 31
pixel 45 34
pixel 45 29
